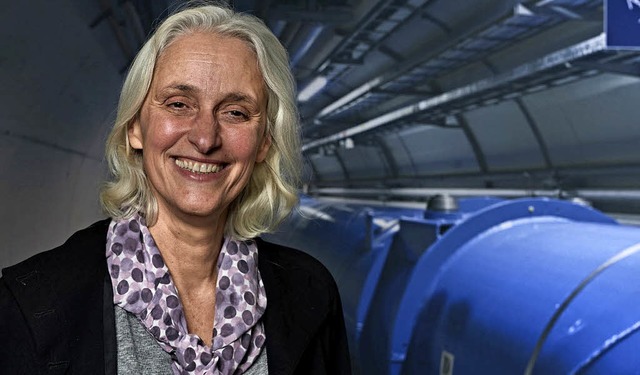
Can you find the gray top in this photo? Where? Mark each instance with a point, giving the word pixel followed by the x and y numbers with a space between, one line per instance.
pixel 140 354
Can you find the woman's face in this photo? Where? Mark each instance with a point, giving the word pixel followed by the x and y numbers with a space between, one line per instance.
pixel 201 127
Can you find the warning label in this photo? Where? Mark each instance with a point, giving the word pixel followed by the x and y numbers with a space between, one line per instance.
pixel 446 363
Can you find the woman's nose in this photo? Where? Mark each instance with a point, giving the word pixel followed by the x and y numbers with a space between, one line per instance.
pixel 205 134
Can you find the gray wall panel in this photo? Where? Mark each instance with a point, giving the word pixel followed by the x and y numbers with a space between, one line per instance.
pixel 327 167
pixel 439 151
pixel 593 121
pixel 364 162
pixel 59 91
pixel 505 137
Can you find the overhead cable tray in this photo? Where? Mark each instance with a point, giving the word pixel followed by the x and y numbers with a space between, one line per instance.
pixel 520 24
pixel 584 59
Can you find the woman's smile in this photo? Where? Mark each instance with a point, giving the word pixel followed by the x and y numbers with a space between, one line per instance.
pixel 199 167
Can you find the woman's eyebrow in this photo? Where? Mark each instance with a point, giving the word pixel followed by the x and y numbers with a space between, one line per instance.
pixel 230 97
pixel 240 97
pixel 189 89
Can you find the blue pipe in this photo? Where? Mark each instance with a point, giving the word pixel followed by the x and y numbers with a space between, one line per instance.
pixel 496 287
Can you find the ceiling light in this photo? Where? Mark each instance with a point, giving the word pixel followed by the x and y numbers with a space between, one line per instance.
pixel 312 88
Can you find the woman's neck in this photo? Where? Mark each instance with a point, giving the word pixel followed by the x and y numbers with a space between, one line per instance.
pixel 189 250
pixel 191 254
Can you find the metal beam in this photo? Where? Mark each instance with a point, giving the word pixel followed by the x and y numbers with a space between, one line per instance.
pixel 473 142
pixel 563 12
pixel 624 69
pixel 553 60
pixel 542 145
pixel 421 93
pixel 334 15
pixel 387 156
pixel 345 171
pixel 409 66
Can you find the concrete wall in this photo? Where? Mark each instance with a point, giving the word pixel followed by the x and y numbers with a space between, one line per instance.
pixel 58 92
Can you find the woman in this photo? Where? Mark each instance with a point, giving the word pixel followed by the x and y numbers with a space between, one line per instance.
pixel 205 157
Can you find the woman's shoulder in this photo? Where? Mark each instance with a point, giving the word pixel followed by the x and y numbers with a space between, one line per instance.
pixel 304 321
pixel 55 297
pixel 81 248
pixel 292 262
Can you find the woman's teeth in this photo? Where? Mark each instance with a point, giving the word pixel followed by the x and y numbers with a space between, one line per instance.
pixel 198 167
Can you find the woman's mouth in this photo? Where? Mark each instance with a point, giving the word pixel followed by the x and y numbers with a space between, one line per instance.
pixel 199 167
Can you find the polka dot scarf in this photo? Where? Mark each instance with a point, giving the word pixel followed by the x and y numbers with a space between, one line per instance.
pixel 142 286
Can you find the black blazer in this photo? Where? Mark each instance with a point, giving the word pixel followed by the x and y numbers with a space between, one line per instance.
pixel 56 312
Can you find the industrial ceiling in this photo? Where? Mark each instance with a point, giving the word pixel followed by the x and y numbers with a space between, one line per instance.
pixel 399 94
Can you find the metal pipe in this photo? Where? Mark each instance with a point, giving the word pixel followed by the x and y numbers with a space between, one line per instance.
pixel 423 193
pixel 303 47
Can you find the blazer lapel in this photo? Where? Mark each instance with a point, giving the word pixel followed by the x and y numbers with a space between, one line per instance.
pixel 294 312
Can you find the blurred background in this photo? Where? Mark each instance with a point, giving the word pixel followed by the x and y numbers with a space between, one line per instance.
pixel 400 100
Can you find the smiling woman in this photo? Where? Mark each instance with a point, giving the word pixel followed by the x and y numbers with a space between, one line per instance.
pixel 205 157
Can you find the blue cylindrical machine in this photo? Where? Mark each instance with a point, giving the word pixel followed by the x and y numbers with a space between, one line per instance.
pixel 529 286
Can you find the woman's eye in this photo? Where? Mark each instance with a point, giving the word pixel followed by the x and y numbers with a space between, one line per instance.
pixel 238 114
pixel 177 105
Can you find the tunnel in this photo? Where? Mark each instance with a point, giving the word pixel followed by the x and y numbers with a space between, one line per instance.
pixel 471 172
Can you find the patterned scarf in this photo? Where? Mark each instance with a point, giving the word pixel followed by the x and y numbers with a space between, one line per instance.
pixel 143 286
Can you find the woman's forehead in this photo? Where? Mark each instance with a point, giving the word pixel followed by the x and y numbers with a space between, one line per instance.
pixel 210 61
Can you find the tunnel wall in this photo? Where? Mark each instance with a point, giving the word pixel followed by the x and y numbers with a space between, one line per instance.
pixel 59 91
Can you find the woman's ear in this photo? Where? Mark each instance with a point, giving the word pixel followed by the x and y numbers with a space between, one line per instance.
pixel 134 133
pixel 263 148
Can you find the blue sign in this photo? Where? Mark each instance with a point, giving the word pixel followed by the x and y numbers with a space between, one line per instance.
pixel 622 23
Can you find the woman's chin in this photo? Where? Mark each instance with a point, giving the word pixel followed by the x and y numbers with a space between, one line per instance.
pixel 201 211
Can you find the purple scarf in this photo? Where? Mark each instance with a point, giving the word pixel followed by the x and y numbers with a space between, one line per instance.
pixel 143 286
